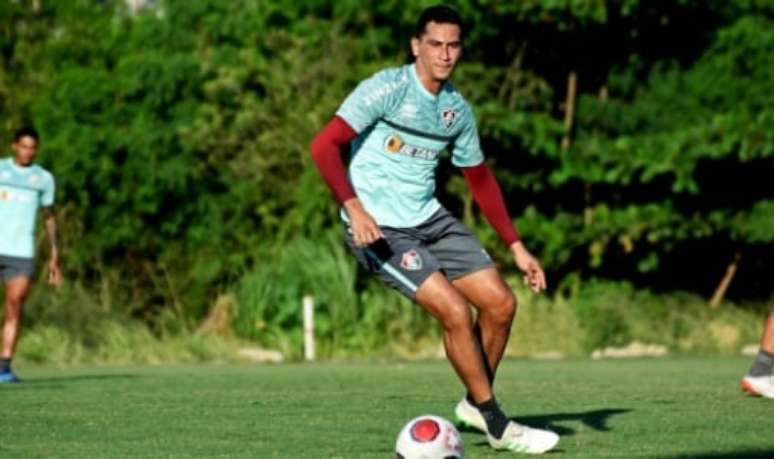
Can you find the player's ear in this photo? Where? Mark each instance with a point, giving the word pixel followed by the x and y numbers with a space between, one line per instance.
pixel 415 46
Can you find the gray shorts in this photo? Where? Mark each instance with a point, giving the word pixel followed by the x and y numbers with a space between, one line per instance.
pixel 11 267
pixel 406 257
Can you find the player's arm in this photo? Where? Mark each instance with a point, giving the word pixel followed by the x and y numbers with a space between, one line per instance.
pixel 326 148
pixel 54 273
pixel 489 197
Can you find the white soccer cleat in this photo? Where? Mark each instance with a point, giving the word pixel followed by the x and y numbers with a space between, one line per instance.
pixel 760 386
pixel 469 416
pixel 522 439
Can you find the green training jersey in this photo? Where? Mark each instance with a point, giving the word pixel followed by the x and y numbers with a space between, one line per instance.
pixel 22 191
pixel 402 130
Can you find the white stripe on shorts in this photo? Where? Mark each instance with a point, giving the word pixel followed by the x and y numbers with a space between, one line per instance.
pixel 392 271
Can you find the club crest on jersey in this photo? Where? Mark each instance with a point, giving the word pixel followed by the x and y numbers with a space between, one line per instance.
pixel 411 261
pixel 448 116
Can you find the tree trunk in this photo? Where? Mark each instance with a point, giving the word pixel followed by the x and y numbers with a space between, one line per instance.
pixel 725 282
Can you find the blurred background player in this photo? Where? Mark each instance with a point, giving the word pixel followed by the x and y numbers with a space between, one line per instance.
pixel 760 379
pixel 398 122
pixel 24 187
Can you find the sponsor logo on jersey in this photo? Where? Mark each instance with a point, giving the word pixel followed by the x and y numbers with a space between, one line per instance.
pixel 23 198
pixel 34 179
pixel 411 261
pixel 394 144
pixel 448 116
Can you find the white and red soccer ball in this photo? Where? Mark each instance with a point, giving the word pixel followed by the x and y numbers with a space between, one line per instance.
pixel 429 437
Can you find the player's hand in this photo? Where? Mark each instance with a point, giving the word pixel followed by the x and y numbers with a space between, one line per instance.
pixel 54 273
pixel 365 231
pixel 534 276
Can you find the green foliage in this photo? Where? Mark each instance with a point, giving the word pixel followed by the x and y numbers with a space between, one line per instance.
pixel 348 319
pixel 179 140
pixel 616 315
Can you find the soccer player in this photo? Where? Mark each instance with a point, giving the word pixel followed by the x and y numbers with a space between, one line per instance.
pixel 24 187
pixel 398 122
pixel 759 380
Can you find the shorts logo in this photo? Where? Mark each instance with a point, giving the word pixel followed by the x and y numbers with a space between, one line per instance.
pixel 411 261
pixel 448 116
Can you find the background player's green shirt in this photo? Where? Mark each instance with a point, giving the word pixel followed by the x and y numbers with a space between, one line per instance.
pixel 22 191
pixel 402 129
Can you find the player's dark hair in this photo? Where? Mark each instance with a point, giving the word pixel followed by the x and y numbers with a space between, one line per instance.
pixel 26 132
pixel 440 14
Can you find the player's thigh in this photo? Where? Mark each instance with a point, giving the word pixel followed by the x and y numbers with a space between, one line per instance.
pixel 457 249
pixel 399 260
pixel 486 289
pixel 16 289
pixel 465 261
pixel 442 299
pixel 16 274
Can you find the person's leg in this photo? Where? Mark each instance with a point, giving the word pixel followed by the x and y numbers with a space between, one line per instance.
pixel 441 299
pixel 767 340
pixel 15 293
pixel 764 361
pixel 759 380
pixel 496 306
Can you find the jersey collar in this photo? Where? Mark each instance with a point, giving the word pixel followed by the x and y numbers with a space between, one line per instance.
pixel 422 89
pixel 18 168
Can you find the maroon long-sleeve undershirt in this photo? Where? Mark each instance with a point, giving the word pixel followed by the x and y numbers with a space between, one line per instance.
pixel 487 194
pixel 326 151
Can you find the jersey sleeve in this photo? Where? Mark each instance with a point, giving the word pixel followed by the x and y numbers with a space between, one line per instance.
pixel 366 104
pixel 47 196
pixel 466 151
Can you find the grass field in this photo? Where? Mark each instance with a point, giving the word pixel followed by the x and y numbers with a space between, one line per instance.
pixel 684 407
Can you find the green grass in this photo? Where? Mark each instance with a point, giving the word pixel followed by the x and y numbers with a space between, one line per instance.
pixel 687 407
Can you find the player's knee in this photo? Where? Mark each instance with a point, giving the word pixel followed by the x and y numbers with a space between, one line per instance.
pixel 13 305
pixel 456 317
pixel 504 309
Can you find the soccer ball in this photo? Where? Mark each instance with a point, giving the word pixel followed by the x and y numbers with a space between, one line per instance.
pixel 429 437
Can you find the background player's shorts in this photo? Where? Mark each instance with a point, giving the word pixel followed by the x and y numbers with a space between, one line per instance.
pixel 11 267
pixel 406 257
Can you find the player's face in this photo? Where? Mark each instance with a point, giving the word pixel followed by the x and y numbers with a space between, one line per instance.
pixel 25 150
pixel 437 51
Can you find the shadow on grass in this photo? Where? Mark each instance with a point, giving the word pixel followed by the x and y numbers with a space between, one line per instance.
pixel 39 383
pixel 747 454
pixel 596 419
